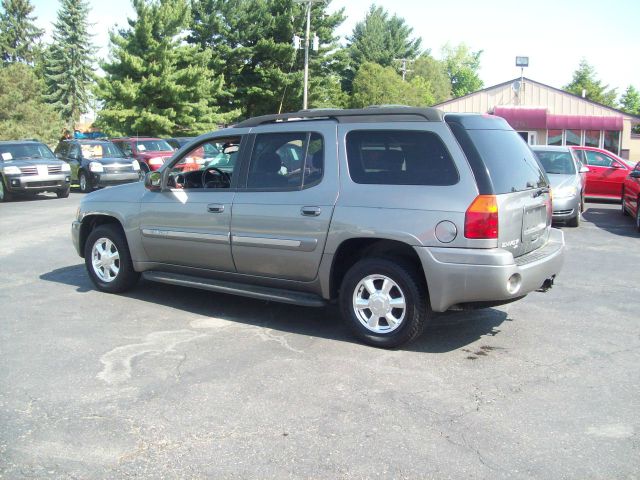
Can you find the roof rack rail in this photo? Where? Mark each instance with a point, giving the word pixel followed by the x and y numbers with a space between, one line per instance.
pixel 369 114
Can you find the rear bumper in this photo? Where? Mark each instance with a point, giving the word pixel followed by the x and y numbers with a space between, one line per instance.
pixel 457 276
pixel 37 183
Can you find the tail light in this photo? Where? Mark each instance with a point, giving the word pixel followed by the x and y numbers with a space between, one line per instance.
pixel 481 219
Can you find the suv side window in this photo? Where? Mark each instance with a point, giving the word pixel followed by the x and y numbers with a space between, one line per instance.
pixel 598 159
pixel 399 157
pixel 286 161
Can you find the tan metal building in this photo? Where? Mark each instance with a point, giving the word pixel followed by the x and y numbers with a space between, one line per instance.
pixel 545 115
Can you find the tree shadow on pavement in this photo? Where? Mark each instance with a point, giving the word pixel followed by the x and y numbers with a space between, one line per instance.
pixel 447 332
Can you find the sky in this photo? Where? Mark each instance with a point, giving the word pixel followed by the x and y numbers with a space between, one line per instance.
pixel 554 34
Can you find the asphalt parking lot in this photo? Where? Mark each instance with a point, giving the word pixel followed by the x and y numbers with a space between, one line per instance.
pixel 168 382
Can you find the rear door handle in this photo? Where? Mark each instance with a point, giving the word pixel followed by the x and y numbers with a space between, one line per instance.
pixel 215 208
pixel 310 211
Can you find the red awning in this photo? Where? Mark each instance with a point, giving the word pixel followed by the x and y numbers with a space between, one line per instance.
pixel 521 118
pixel 583 122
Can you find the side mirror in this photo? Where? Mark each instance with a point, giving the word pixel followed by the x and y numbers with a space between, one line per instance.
pixel 584 169
pixel 153 181
pixel 635 174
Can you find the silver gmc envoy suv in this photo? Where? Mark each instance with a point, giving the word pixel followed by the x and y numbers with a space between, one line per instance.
pixel 393 212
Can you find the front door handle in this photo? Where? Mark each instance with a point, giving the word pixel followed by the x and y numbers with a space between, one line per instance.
pixel 310 211
pixel 215 208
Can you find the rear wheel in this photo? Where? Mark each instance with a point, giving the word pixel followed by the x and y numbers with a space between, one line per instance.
pixel 108 261
pixel 5 195
pixel 384 302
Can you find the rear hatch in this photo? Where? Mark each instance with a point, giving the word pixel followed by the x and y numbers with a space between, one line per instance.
pixel 505 166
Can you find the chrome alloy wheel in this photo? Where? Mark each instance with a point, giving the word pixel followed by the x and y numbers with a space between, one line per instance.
pixel 83 182
pixel 105 259
pixel 379 304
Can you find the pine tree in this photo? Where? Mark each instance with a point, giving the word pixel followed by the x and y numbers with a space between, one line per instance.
pixel 382 39
pixel 155 84
pixel 630 101
pixel 251 43
pixel 69 63
pixel 19 35
pixel 584 78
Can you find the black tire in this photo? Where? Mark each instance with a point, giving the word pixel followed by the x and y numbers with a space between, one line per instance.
pixel 84 181
pixel 63 192
pixel 5 194
pixel 638 214
pixel 624 210
pixel 126 276
pixel 144 168
pixel 411 286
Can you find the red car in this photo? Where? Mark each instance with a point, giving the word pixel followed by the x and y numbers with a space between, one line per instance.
pixel 150 152
pixel 606 174
pixel 631 195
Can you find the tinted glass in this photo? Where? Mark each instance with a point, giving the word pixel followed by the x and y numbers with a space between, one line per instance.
pixel 511 164
pixel 153 146
pixel 24 151
pixel 556 162
pixel 286 161
pixel 391 157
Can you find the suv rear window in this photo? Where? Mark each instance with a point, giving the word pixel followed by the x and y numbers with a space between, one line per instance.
pixel 509 161
pixel 395 157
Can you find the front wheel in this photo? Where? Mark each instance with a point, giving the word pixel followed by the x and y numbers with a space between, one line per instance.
pixel 624 209
pixel 384 302
pixel 5 195
pixel 63 192
pixel 85 185
pixel 108 261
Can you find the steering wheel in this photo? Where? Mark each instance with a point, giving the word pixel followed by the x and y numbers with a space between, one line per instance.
pixel 221 178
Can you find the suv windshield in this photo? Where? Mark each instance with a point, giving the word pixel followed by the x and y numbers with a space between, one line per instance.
pixel 510 162
pixel 559 163
pixel 153 146
pixel 25 151
pixel 100 150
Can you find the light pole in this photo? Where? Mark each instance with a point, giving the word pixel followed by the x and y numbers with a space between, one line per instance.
pixel 305 98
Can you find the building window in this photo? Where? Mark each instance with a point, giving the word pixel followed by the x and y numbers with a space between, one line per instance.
pixel 612 141
pixel 554 137
pixel 573 137
pixel 592 138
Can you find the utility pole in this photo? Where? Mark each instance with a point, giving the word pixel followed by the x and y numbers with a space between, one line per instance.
pixel 404 68
pixel 307 40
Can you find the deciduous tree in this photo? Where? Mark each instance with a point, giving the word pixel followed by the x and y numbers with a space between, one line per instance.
pixel 462 66
pixel 378 85
pixel 434 72
pixel 23 110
